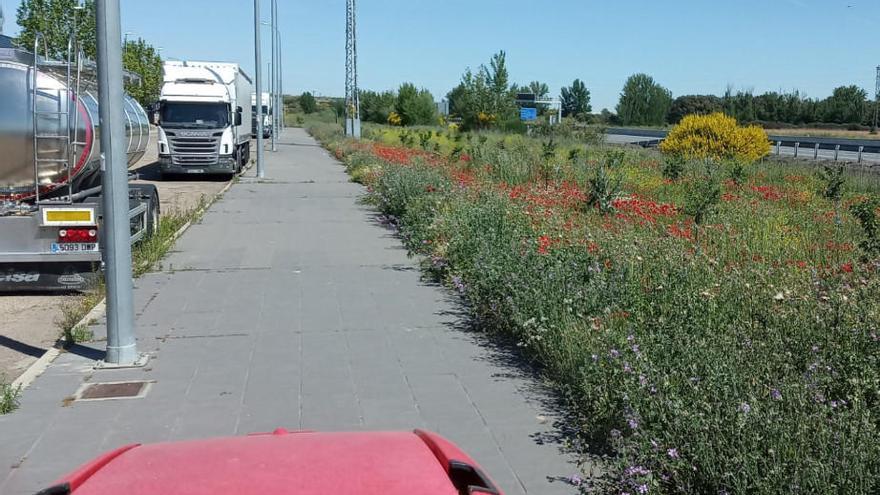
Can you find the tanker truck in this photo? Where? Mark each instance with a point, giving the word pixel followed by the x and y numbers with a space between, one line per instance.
pixel 50 172
pixel 204 118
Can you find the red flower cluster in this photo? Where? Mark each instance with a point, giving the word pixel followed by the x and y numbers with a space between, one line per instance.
pixel 401 156
pixel 676 230
pixel 464 178
pixel 769 193
pixel 565 194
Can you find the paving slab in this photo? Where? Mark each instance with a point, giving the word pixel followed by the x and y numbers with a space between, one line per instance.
pixel 290 306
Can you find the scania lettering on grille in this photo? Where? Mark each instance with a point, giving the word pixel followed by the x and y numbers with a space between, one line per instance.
pixel 193 134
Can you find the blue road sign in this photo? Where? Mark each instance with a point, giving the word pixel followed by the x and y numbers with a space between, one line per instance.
pixel 528 114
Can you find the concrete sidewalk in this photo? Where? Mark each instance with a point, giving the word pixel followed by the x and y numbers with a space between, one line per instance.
pixel 288 305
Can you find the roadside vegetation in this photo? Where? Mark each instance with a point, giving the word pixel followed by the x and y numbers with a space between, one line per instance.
pixel 9 396
pixel 712 322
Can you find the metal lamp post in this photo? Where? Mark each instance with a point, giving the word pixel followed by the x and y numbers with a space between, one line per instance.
pixel 121 342
pixel 258 79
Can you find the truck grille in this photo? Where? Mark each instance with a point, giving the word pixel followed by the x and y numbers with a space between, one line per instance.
pixel 194 148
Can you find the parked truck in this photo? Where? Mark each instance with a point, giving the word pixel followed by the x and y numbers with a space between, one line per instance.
pixel 267 115
pixel 204 118
pixel 50 172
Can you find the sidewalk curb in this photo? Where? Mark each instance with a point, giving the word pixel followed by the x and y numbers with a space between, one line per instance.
pixel 39 366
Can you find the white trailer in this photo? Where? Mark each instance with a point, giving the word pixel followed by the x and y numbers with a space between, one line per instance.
pixel 204 118
pixel 267 115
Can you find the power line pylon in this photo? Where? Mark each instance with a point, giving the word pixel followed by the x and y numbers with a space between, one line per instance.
pixel 352 98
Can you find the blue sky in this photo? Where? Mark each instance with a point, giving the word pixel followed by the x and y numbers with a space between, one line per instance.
pixel 690 46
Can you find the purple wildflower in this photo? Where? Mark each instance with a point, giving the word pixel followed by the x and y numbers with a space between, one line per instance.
pixel 672 453
pixel 642 380
pixel 627 368
pixel 630 338
pixel 635 348
pixel 643 488
pixel 459 284
pixel 745 408
pixel 775 394
pixel 633 423
pixel 614 353
pixel 575 480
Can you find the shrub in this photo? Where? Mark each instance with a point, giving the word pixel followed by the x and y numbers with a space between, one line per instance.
pixel 716 137
pixel 673 167
pixel 865 212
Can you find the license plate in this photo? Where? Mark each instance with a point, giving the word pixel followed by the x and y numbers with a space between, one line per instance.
pixel 74 247
pixel 195 171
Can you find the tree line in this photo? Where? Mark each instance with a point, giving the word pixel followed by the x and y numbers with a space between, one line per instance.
pixel 56 20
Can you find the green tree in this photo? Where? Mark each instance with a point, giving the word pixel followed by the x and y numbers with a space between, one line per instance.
pixel 485 97
pixel 643 101
pixel 338 105
pixel 576 101
pixel 55 20
pixel 846 105
pixel 142 59
pixel 693 104
pixel 376 107
pixel 415 107
pixel 307 103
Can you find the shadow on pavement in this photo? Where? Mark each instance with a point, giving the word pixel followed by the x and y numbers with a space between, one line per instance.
pixel 21 347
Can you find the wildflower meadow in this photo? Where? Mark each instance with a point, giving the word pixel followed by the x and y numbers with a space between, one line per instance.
pixel 713 325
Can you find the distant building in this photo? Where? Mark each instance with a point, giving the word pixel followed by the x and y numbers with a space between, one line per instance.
pixel 443 107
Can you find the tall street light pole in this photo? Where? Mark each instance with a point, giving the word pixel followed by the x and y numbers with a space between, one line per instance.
pixel 274 94
pixel 258 78
pixel 280 76
pixel 121 342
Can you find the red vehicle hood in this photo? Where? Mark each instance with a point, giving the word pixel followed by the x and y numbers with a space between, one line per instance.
pixel 302 463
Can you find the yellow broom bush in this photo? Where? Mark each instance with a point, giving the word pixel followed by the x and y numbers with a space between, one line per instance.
pixel 716 136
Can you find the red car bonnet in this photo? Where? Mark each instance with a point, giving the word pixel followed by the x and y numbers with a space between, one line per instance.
pixel 301 463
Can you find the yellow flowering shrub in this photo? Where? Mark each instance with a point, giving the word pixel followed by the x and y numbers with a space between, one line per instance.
pixel 485 119
pixel 716 136
pixel 394 119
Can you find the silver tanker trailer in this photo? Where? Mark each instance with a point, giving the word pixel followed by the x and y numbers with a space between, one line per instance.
pixel 50 172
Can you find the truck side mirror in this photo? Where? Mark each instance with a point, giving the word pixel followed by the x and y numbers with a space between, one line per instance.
pixel 237 116
pixel 154 113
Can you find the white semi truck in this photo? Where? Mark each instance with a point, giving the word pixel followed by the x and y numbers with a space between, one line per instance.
pixel 204 118
pixel 267 115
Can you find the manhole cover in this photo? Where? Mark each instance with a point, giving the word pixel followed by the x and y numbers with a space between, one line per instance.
pixel 113 390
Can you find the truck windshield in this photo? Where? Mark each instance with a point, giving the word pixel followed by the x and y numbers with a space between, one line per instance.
pixel 210 115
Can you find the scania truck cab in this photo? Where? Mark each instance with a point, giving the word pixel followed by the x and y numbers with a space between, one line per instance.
pixel 204 118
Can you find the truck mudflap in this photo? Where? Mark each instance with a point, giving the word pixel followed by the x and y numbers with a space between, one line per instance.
pixel 49 276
